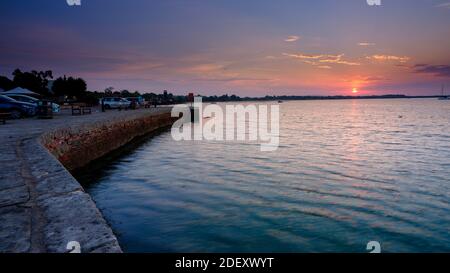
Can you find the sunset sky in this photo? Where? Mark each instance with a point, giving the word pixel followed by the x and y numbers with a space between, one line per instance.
pixel 244 47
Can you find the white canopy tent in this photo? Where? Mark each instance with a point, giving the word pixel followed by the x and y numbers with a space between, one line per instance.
pixel 20 91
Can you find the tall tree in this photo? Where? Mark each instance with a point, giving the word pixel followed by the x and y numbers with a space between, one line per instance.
pixel 6 84
pixel 36 81
pixel 73 88
pixel 109 91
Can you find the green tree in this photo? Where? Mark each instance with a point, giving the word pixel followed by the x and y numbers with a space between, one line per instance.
pixel 72 88
pixel 36 81
pixel 125 93
pixel 109 91
pixel 6 84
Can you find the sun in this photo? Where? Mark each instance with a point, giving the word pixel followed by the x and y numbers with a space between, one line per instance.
pixel 355 90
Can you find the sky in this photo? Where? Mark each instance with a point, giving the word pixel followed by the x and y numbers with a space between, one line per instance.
pixel 243 47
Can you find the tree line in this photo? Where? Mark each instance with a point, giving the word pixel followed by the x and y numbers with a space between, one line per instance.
pixel 69 89
pixel 42 83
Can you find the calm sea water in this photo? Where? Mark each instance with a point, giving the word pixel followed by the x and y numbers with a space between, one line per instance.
pixel 346 173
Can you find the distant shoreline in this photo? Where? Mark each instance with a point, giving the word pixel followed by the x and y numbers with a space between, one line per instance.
pixel 297 98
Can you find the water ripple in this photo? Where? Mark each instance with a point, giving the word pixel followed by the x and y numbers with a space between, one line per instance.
pixel 340 178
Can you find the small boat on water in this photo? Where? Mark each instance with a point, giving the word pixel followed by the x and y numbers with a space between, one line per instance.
pixel 443 96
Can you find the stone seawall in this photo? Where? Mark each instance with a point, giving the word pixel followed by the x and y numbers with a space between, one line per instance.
pixel 75 148
pixel 42 206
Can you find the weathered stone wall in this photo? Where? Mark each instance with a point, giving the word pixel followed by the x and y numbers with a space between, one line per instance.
pixel 42 206
pixel 75 148
pixel 61 211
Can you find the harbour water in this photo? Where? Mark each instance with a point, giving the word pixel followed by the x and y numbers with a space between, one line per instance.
pixel 347 172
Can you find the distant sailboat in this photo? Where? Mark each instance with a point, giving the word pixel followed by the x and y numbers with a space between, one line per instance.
pixel 443 96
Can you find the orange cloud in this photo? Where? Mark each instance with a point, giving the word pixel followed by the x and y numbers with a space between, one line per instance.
pixel 292 38
pixel 366 44
pixel 322 58
pixel 337 59
pixel 402 59
pixel 303 56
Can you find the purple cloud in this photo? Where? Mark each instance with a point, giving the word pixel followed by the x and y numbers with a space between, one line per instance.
pixel 438 70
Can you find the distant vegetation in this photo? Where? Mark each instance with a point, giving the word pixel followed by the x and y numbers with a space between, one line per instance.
pixel 36 81
pixel 71 88
pixel 68 89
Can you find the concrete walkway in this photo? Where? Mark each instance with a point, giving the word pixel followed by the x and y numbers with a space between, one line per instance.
pixel 42 207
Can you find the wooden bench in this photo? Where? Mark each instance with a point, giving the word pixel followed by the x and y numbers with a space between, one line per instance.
pixel 79 109
pixel 87 110
pixel 76 110
pixel 3 117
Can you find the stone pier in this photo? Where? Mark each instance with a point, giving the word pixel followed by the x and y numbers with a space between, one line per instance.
pixel 42 207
